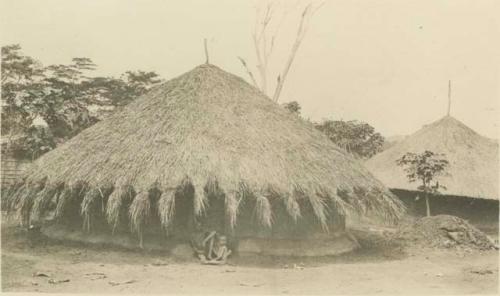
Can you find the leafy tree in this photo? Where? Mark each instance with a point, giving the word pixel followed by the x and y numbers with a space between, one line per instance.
pixel 139 82
pixel 18 68
pixel 424 167
pixel 54 93
pixel 82 64
pixel 21 77
pixel 356 137
pixel 73 72
pixel 36 141
pixel 64 101
pixel 108 93
pixel 64 96
pixel 293 106
pixel 104 94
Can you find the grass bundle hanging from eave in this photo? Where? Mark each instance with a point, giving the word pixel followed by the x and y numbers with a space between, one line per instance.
pixel 319 208
pixel 166 208
pixel 42 201
pixel 200 200
pixel 63 201
pixel 139 214
pixel 116 201
pixel 91 206
pixel 292 207
pixel 232 204
pixel 263 211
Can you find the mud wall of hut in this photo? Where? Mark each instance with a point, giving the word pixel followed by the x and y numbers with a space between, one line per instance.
pixel 482 213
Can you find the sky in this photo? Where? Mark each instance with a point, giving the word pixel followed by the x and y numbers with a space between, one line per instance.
pixel 385 62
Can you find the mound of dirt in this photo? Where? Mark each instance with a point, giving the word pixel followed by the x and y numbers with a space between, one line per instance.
pixel 444 232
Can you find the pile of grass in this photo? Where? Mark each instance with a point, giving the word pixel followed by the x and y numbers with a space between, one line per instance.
pixel 443 231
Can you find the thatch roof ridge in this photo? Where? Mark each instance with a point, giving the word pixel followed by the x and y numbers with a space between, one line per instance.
pixel 209 127
pixel 473 169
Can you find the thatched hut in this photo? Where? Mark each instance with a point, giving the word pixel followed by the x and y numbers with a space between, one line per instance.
pixel 11 165
pixel 206 146
pixel 471 180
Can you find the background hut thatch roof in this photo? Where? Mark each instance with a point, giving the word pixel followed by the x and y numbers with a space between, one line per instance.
pixel 209 126
pixel 473 159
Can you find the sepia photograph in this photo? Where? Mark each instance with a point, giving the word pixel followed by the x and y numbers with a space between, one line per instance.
pixel 250 147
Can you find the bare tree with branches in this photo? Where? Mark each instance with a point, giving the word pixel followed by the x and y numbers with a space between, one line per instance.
pixel 264 40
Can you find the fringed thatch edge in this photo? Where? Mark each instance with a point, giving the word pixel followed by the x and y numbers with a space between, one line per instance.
pixel 29 201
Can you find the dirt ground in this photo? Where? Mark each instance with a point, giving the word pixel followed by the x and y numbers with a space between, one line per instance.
pixel 58 267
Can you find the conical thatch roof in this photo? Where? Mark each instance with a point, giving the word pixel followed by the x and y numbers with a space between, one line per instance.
pixel 473 159
pixel 209 128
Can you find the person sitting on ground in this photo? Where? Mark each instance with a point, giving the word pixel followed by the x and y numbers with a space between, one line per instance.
pixel 202 242
pixel 219 252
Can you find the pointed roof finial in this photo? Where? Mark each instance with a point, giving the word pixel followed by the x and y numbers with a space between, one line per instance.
pixel 206 50
pixel 449 97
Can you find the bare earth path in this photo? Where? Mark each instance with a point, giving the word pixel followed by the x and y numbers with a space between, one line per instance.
pixel 92 270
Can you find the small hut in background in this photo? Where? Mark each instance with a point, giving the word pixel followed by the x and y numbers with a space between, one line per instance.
pixel 12 167
pixel 472 176
pixel 14 159
pixel 206 147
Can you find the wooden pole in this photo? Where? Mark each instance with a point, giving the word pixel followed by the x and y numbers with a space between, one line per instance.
pixel 427 206
pixel 206 50
pixel 449 97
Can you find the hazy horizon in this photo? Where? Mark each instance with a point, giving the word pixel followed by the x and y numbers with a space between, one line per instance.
pixel 385 62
